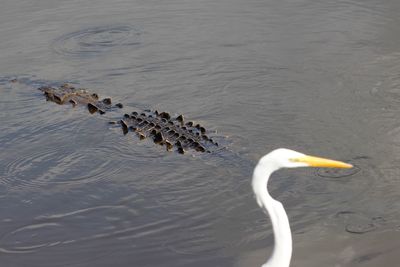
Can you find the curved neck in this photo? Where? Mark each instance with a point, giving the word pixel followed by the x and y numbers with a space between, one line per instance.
pixel 282 252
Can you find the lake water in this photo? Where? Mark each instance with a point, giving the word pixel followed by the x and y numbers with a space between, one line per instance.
pixel 321 77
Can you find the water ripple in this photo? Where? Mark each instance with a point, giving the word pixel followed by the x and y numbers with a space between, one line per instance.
pixel 53 165
pixel 385 72
pixel 119 226
pixel 341 173
pixel 358 223
pixel 61 229
pixel 96 40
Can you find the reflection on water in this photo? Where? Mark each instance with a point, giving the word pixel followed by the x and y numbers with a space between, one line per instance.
pixel 321 78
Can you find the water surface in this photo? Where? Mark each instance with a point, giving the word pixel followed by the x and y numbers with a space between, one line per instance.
pixel 320 77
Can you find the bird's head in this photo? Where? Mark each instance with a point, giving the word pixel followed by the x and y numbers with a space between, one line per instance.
pixel 286 158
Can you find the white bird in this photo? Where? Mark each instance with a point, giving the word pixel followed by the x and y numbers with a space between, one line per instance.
pixel 282 158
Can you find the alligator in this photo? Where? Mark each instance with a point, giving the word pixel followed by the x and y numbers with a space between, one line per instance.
pixel 173 133
pixel 77 96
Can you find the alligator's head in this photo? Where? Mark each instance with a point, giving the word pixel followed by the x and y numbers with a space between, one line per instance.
pixel 52 95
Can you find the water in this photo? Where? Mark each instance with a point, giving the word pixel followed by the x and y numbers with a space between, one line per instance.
pixel 320 77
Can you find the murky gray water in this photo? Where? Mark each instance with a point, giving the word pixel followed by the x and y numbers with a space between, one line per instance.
pixel 322 77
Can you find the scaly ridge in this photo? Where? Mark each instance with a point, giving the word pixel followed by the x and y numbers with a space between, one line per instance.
pixel 160 127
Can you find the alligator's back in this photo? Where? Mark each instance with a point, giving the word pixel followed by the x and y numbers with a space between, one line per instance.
pixel 173 133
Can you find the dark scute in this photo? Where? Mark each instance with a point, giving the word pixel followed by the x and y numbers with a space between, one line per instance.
pixel 164 120
pixel 199 147
pixel 179 118
pixel 95 96
pixel 202 130
pixel 158 137
pixel 139 119
pixel 92 108
pixel 73 102
pixel 124 126
pixel 152 124
pixel 143 114
pixel 102 112
pixel 57 99
pixel 176 135
pixel 178 144
pixel 168 145
pixel 165 115
pixel 158 127
pixel 134 113
pixel 119 105
pixel 141 135
pixel 126 116
pixel 156 112
pixel 112 122
pixel 197 126
pixel 171 122
pixel 180 150
pixel 147 110
pixel 184 128
pixel 132 128
pixel 107 101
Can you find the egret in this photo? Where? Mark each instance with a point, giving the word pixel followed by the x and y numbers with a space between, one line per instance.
pixel 282 158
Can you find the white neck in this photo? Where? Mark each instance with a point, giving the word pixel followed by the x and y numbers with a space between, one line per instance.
pixel 282 252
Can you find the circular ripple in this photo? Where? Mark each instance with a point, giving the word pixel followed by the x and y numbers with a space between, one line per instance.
pixel 48 166
pixel 360 228
pixel 340 173
pixel 358 223
pixel 96 40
